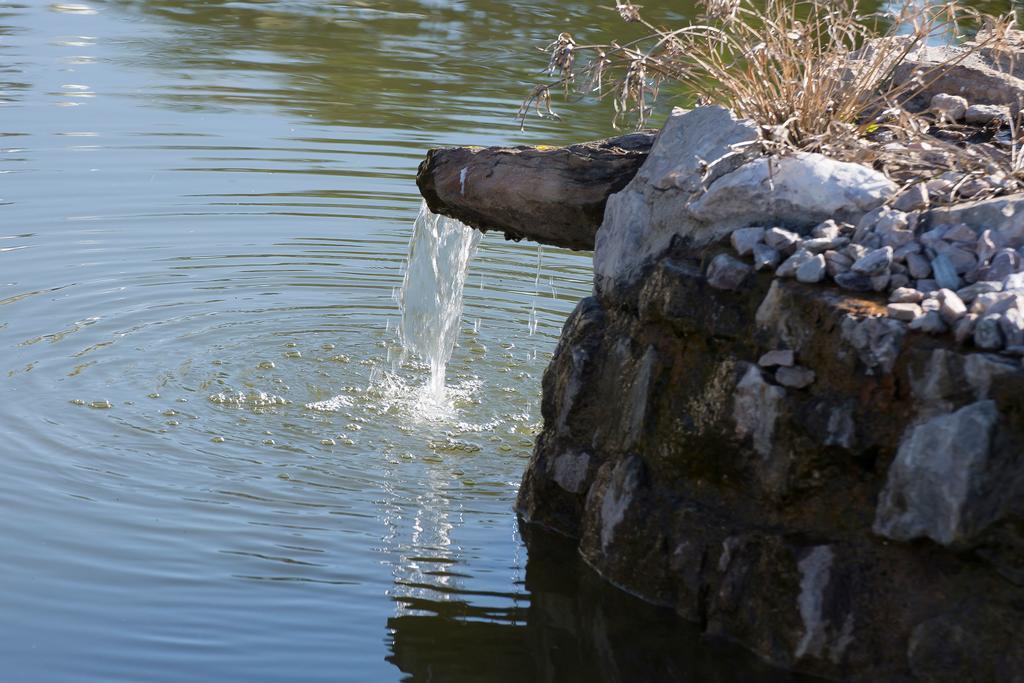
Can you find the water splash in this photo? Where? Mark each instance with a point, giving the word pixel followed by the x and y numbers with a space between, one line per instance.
pixel 431 294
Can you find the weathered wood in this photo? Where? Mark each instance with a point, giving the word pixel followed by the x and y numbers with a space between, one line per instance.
pixel 552 195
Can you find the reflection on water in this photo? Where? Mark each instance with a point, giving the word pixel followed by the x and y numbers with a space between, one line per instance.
pixel 567 625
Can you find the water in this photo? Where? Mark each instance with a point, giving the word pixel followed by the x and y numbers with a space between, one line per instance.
pixel 214 465
pixel 432 292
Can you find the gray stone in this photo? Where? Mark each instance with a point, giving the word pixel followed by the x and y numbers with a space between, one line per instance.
pixel 727 272
pixel 982 114
pixel 569 470
pixel 997 303
pixel 1014 282
pixel 828 229
pixel 781 239
pixel 854 252
pixel 874 262
pixel 880 282
pixel 765 257
pixel 796 377
pixel 1006 262
pixel 961 232
pixel 938 484
pixel 898 281
pixel 799 188
pixel 930 323
pixel 963 261
pixel 901 253
pixel 964 328
pixel 905 312
pixel 836 263
pixel 945 273
pixel 640 221
pixel 919 266
pixel 913 198
pixel 877 341
pixel 855 282
pixel 906 295
pixel 952 306
pixel 756 406
pixel 820 244
pixel 1011 323
pixel 744 240
pixel 897 238
pixel 789 267
pixel 927 285
pixel 890 220
pixel 985 248
pixel 783 357
pixel 949 108
pixel 988 334
pixel 1003 216
pixel 811 271
pixel 934 235
pixel 968 294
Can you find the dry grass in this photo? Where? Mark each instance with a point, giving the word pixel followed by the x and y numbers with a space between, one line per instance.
pixel 815 74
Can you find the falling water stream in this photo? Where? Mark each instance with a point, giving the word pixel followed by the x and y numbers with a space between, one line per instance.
pixel 431 295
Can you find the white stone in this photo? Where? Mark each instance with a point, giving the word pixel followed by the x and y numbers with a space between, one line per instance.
pixel 797 189
pixel 905 312
pixel 815 572
pixel 745 239
pixel 828 229
pixel 933 482
pixel 569 470
pixel 952 306
pixel 906 295
pixel 756 408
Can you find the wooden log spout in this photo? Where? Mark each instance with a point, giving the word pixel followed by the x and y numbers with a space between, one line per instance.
pixel 552 195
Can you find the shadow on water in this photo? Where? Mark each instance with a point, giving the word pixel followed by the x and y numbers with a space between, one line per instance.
pixel 576 628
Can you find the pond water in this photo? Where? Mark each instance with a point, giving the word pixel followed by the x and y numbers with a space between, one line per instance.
pixel 214 465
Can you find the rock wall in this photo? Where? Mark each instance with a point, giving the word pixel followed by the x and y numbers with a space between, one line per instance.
pixel 781 462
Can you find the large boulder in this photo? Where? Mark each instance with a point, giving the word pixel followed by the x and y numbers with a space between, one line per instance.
pixel 705 177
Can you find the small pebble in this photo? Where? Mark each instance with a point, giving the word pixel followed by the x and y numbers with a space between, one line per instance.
pixel 945 273
pixel 796 377
pixel 906 295
pixel 913 198
pixel 783 357
pixel 987 333
pixel 874 262
pixel 951 307
pixel 812 270
pixel 726 272
pixel 781 239
pixel 765 257
pixel 744 240
pixel 854 282
pixel 964 328
pixel 930 323
pixel 789 267
pixel 905 312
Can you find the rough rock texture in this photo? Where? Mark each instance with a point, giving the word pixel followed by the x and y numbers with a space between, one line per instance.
pixel 551 195
pixel 869 526
pixel 703 180
pixel 980 78
pixel 839 491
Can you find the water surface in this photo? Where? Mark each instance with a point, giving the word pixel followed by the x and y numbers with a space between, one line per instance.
pixel 213 462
